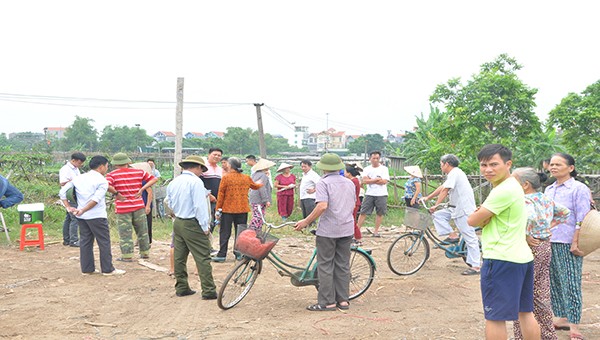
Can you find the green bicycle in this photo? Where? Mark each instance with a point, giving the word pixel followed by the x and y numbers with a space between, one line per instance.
pixel 241 279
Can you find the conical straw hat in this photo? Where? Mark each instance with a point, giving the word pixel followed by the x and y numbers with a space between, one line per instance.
pixel 414 170
pixel 143 165
pixel 589 235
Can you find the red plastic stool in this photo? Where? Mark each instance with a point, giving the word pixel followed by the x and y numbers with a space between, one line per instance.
pixel 38 242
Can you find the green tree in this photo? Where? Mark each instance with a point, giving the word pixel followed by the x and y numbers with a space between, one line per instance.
pixel 427 143
pixel 239 141
pixel 123 138
pixel 81 135
pixel 578 117
pixel 369 142
pixel 493 107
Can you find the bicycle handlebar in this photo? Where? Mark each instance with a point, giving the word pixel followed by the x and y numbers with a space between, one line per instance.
pixel 440 206
pixel 271 225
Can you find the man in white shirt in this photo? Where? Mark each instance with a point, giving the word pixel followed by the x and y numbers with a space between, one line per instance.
pixel 152 164
pixel 376 177
pixel 65 175
pixel 461 204
pixel 308 185
pixel 90 189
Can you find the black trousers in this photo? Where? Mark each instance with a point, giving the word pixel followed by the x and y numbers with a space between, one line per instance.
pixel 227 220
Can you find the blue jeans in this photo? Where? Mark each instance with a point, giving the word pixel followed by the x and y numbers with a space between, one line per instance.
pixel 70 229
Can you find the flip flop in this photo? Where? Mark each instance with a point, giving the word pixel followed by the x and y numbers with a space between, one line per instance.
pixel 318 308
pixel 562 328
pixel 576 337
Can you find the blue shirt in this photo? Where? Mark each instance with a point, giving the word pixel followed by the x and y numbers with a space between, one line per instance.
pixel 12 194
pixel 410 188
pixel 186 195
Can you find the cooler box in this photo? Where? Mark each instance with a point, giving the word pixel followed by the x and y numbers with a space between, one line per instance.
pixel 31 213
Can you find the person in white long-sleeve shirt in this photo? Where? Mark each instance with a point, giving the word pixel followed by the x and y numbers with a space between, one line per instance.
pixel 90 190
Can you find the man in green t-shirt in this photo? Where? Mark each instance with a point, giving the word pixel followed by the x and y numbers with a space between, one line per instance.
pixel 507 270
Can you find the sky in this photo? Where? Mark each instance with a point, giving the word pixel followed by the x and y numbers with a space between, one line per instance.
pixel 355 66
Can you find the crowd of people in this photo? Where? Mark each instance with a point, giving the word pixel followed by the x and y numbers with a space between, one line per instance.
pixel 530 263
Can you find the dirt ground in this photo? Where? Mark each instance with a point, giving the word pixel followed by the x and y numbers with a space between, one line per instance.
pixel 44 296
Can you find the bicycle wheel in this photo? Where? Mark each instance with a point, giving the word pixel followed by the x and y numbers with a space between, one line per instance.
pixel 408 254
pixel 238 283
pixel 362 273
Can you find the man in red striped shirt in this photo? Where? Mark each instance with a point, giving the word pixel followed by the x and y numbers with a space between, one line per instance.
pixel 126 184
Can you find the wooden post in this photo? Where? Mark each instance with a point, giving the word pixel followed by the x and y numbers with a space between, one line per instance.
pixel 425 183
pixel 261 134
pixel 178 128
pixel 396 188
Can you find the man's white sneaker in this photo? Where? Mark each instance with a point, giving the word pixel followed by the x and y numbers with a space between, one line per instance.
pixel 115 272
pixel 91 273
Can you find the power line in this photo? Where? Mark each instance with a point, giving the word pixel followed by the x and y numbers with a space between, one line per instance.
pixel 60 98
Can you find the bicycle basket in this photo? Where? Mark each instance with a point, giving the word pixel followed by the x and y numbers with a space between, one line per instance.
pixel 254 244
pixel 417 219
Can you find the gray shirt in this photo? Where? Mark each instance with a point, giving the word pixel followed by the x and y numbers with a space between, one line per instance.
pixel 262 195
pixel 340 194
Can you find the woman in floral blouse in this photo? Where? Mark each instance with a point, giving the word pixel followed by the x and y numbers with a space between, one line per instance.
pixel 412 187
pixel 567 258
pixel 542 214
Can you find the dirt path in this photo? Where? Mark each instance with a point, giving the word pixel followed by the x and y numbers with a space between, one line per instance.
pixel 44 296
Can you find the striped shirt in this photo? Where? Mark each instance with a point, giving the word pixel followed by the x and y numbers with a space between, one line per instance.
pixel 128 182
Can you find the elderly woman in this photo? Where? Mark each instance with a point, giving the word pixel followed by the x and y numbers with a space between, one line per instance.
pixel 260 199
pixel 412 187
pixel 567 259
pixel 233 201
pixel 285 183
pixel 542 214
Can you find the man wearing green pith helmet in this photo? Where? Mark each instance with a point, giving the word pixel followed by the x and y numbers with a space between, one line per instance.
pixel 126 183
pixel 335 198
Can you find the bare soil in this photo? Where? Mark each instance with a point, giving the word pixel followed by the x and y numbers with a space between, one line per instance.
pixel 44 296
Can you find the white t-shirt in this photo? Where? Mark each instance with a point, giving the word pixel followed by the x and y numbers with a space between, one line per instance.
pixel 68 172
pixel 376 189
pixel 309 181
pixel 461 193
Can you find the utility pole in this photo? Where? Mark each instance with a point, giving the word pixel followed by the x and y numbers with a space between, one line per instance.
pixel 261 133
pixel 327 132
pixel 178 128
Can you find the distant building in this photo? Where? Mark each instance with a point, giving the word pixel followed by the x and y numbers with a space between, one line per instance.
pixel 164 136
pixel 54 132
pixel 301 135
pixel 395 138
pixel 214 134
pixel 194 135
pixel 351 138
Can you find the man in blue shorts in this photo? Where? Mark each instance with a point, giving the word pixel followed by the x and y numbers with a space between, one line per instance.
pixel 507 270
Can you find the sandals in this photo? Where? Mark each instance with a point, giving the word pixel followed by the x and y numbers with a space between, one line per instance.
pixel 470 271
pixel 373 233
pixel 343 307
pixel 576 337
pixel 319 308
